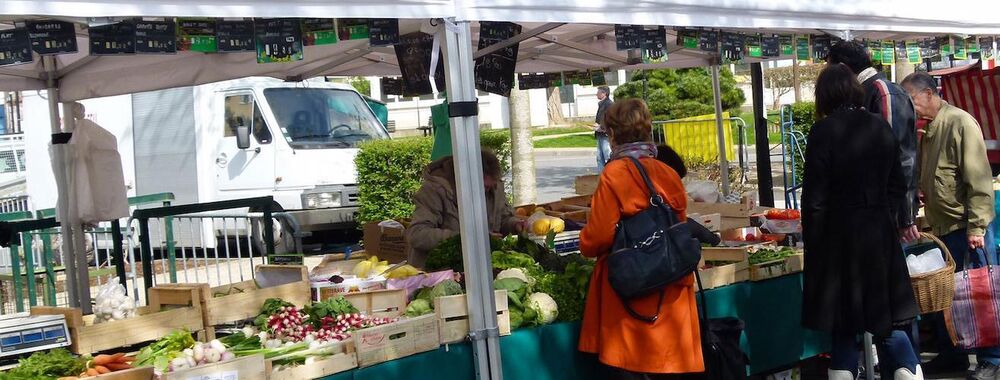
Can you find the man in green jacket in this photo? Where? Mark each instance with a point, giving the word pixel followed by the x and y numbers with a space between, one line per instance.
pixel 957 187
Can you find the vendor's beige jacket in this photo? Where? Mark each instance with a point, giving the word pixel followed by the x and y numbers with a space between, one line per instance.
pixel 436 215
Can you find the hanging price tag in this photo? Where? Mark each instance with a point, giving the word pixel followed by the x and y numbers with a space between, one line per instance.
pixel 628 37
pixel 15 48
pixel 787 45
pixel 278 40
pixel 52 37
pixel 888 53
pixel 770 46
pixel 112 39
pixel 802 48
pixel 235 36
pixel 196 34
pixel 383 31
pixel 319 31
pixel 913 53
pixel 155 37
pixel 352 29
pixel 494 72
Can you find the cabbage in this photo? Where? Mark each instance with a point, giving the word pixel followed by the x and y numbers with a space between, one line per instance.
pixel 419 307
pixel 444 288
pixel 517 273
pixel 544 306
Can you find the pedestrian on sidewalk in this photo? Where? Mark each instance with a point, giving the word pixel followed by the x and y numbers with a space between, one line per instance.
pixel 603 144
pixel 855 278
pixel 956 182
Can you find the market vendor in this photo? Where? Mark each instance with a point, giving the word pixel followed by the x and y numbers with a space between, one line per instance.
pixel 436 215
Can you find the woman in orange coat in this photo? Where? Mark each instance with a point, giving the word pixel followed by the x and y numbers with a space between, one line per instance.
pixel 628 347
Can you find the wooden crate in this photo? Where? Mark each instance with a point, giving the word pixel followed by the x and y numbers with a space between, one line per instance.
pixel 161 317
pixel 379 303
pixel 726 210
pixel 719 276
pixel 586 184
pixel 396 340
pixel 247 367
pixel 579 200
pixel 343 358
pixel 777 268
pixel 453 316
pixel 142 373
pixel 713 222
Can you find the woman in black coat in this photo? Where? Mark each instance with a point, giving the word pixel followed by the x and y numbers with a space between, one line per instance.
pixel 855 277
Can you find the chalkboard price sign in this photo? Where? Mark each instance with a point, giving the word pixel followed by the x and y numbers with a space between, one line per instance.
pixel 112 39
pixel 554 79
pixel 731 47
pixel 156 37
pixel 278 40
pixel 654 43
pixel 532 81
pixel 787 45
pixel 352 29
pixel 986 50
pixel 15 48
pixel 821 48
pixel 196 34
pixel 413 53
pixel 391 86
pixel 235 36
pixel 52 37
pixel 708 40
pixel 597 78
pixel 770 47
pixel 383 31
pixel 319 31
pixel 900 51
pixel 495 71
pixel 687 38
pixel 628 37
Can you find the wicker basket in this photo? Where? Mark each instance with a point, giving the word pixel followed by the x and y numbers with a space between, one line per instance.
pixel 935 290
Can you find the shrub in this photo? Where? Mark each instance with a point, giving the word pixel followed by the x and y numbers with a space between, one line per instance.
pixel 389 172
pixel 803 118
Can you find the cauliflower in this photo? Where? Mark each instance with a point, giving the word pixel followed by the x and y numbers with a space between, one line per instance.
pixel 544 306
pixel 517 273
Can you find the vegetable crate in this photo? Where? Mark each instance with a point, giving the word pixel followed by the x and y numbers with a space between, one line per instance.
pixel 142 373
pixel 777 268
pixel 396 340
pixel 453 316
pixel 341 359
pixel 150 323
pixel 579 200
pixel 564 243
pixel 379 303
pixel 713 222
pixel 242 301
pixel 730 266
pixel 247 367
pixel 733 215
pixel 586 184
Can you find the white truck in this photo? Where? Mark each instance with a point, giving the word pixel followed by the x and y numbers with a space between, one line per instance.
pixel 236 139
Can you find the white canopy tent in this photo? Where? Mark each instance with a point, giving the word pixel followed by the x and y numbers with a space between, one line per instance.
pixel 565 35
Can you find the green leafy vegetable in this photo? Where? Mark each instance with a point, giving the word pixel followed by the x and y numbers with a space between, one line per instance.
pixel 162 351
pixel 332 307
pixel 47 365
pixel 241 342
pixel 568 289
pixel 764 255
pixel 419 307
pixel 510 259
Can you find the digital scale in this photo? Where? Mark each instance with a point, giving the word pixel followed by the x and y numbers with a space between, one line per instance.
pixel 23 333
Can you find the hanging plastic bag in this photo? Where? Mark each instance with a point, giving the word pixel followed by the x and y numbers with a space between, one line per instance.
pixel 113 304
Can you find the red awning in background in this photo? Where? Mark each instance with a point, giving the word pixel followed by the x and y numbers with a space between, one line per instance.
pixel 976 91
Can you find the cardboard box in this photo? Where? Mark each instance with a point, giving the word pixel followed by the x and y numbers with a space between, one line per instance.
pixel 387 243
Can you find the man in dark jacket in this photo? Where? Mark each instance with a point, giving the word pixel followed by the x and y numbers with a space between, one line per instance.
pixel 603 144
pixel 888 100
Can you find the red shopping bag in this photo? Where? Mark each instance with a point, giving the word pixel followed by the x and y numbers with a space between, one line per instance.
pixel 974 318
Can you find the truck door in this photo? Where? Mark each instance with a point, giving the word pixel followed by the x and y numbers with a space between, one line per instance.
pixel 244 172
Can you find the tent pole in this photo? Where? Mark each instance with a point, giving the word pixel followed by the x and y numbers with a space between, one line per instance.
pixel 483 329
pixel 59 159
pixel 723 160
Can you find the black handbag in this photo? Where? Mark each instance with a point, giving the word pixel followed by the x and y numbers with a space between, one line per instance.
pixel 652 249
pixel 720 344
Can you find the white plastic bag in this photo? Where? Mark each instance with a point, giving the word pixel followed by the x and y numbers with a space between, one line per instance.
pixel 703 191
pixel 112 304
pixel 926 262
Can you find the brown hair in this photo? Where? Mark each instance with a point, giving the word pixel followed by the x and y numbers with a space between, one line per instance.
pixel 491 165
pixel 629 121
pixel 837 87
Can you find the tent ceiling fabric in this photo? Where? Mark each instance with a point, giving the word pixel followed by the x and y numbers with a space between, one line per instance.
pixel 231 8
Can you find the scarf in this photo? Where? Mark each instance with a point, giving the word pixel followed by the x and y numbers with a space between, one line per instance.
pixel 867 74
pixel 636 150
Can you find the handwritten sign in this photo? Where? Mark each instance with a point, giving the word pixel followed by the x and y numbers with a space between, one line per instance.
pixel 197 34
pixel 532 81
pixel 52 37
pixel 278 40
pixel 820 48
pixel 708 40
pixel 802 48
pixel 913 53
pixel 888 53
pixel 598 78
pixel 112 39
pixel 731 47
pixel 628 37
pixel 156 37
pixel 391 86
pixel 752 46
pixel 770 47
pixel 413 54
pixel 986 49
pixel 319 31
pixel 900 51
pixel 787 45
pixel 352 29
pixel 15 48
pixel 383 31
pixel 654 44
pixel 235 36
pixel 495 71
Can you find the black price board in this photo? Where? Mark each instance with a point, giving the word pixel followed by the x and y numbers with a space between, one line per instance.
pixel 654 44
pixel 383 31
pixel 319 31
pixel 391 86
pixel 628 37
pixel 731 47
pixel 986 50
pixel 770 47
pixel 931 49
pixel 112 39
pixel 554 79
pixel 278 40
pixel 15 48
pixel 787 45
pixel 532 81
pixel 901 55
pixel 352 29
pixel 597 78
pixel 708 40
pixel 413 53
pixel 197 34
pixel 156 37
pixel 752 46
pixel 52 37
pixel 687 38
pixel 495 71
pixel 235 36
pixel 821 48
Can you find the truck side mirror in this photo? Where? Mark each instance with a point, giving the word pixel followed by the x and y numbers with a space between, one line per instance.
pixel 242 137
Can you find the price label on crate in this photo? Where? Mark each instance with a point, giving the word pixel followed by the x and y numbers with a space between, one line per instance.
pixel 227 375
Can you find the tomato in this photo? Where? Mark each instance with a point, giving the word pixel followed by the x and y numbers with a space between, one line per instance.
pixel 751 237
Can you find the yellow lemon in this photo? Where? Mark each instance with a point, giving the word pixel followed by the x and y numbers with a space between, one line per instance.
pixel 557 225
pixel 541 227
pixel 362 269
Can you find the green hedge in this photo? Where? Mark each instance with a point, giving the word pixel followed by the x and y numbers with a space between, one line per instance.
pixel 803 118
pixel 389 173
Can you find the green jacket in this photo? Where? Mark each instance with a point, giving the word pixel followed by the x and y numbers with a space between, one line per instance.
pixel 955 174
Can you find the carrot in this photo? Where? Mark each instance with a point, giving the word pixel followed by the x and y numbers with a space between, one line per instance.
pixel 92 372
pixel 118 366
pixel 102 369
pixel 102 359
pixel 128 359
pixel 117 358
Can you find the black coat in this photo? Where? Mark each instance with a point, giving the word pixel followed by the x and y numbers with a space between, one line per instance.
pixel 855 273
pixel 889 101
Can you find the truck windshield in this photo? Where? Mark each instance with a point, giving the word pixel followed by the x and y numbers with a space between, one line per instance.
pixel 323 118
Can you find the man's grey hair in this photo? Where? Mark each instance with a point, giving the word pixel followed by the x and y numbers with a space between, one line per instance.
pixel 920 81
pixel 605 90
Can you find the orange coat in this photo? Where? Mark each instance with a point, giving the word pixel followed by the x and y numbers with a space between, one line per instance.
pixel 672 344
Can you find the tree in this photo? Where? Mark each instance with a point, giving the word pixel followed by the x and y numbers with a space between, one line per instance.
pixel 554 106
pixel 522 152
pixel 364 86
pixel 781 80
pixel 674 94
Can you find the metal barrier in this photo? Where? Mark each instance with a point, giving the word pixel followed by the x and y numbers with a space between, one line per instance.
pixel 659 137
pixel 792 144
pixel 193 241
pixel 14 204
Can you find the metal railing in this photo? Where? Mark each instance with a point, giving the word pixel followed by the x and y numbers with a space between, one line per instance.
pixel 793 156
pixel 14 204
pixel 679 142
pixel 12 154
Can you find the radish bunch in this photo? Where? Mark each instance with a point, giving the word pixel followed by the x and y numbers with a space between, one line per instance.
pixel 289 324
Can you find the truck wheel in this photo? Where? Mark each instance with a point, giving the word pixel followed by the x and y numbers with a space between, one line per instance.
pixel 284 242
